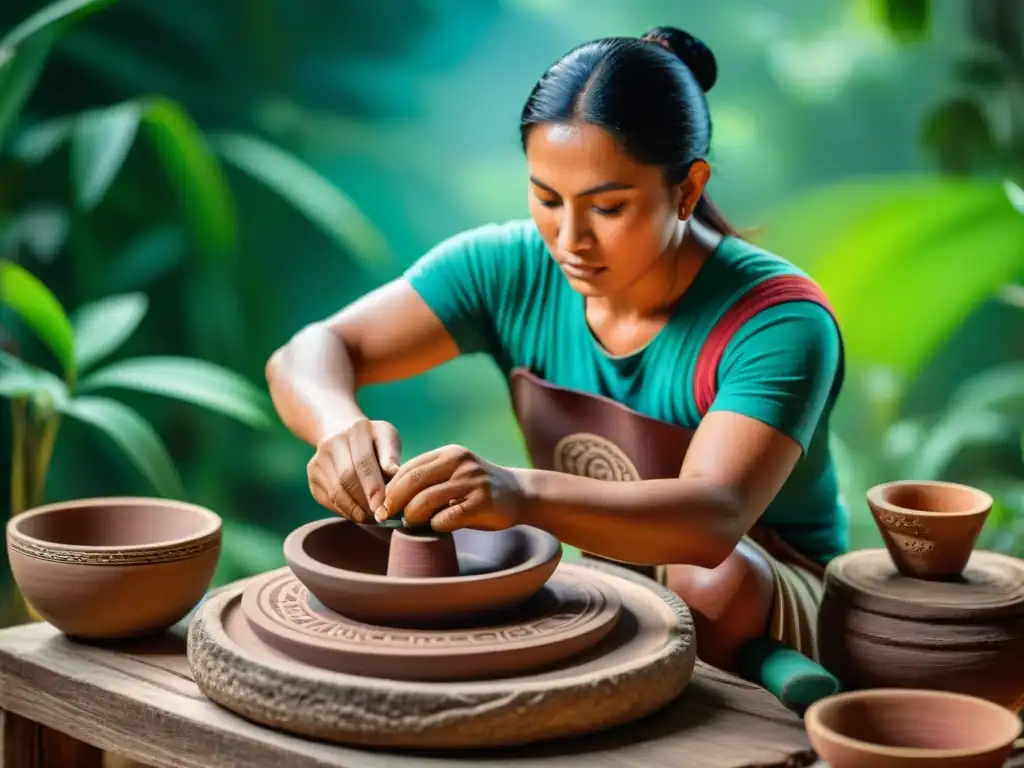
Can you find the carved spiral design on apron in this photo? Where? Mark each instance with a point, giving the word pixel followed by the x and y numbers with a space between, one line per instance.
pixel 593 456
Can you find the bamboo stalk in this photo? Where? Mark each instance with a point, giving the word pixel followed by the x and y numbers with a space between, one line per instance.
pixel 43 455
pixel 19 487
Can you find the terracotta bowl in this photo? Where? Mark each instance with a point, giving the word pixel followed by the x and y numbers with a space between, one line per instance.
pixel 901 728
pixel 346 569
pixel 114 568
pixel 929 527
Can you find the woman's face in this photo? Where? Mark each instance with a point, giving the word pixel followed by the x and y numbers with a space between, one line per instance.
pixel 605 218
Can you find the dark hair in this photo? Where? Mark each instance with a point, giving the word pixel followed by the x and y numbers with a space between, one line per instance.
pixel 646 91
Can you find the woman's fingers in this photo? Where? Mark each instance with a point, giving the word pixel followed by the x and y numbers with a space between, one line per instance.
pixel 422 507
pixel 464 513
pixel 346 492
pixel 363 458
pixel 389 447
pixel 416 476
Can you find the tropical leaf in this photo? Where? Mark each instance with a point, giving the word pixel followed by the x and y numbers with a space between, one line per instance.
pixel 15 382
pixel 39 309
pixel 99 146
pixel 200 180
pixel 55 16
pixel 315 197
pixel 102 139
pixel 19 73
pixel 23 52
pixel 187 379
pixel 18 379
pixel 103 326
pixel 134 436
pixel 907 20
pixel 904 273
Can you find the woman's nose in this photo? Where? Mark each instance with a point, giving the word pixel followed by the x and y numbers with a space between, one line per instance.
pixel 574 234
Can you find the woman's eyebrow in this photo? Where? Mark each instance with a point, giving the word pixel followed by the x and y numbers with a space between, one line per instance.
pixel 608 186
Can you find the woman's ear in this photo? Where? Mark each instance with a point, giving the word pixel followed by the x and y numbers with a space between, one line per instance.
pixel 692 187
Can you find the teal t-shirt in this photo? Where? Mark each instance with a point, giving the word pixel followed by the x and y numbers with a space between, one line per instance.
pixel 498 292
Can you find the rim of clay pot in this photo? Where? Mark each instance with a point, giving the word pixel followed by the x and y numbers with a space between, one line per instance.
pixel 813 719
pixel 212 519
pixel 294 551
pixel 876 495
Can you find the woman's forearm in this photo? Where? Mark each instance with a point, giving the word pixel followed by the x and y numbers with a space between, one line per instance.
pixel 313 384
pixel 649 522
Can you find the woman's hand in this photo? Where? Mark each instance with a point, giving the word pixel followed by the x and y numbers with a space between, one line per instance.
pixel 453 488
pixel 347 472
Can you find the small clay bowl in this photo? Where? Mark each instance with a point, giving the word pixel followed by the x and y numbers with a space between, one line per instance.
pixel 930 528
pixel 346 569
pixel 114 568
pixel 903 728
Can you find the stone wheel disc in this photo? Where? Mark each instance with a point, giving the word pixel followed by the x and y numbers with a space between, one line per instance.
pixel 642 664
pixel 566 617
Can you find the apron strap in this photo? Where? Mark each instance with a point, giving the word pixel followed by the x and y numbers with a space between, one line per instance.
pixel 768 293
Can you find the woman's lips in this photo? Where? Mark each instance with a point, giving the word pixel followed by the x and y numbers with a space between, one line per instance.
pixel 581 271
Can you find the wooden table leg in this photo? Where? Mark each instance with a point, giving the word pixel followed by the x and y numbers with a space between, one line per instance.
pixel 27 744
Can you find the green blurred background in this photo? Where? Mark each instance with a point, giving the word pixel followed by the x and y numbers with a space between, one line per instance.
pixel 193 181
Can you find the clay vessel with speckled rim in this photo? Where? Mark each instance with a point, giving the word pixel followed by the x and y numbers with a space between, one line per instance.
pixel 346 569
pixel 929 528
pixel 896 728
pixel 114 568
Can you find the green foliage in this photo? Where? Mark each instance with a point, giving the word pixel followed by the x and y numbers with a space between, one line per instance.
pixel 909 263
pixel 907 20
pixel 99 331
pixel 311 194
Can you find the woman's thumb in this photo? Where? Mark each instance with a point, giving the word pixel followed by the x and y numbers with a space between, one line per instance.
pixel 389 446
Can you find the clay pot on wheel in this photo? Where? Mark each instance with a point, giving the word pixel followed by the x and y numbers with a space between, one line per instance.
pixel 929 528
pixel 880 629
pixel 892 728
pixel 114 568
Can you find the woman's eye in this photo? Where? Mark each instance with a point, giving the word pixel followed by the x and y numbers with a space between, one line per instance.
pixel 609 211
pixel 548 203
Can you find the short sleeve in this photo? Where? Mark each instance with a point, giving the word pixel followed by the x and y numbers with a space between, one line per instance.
pixel 468 279
pixel 781 368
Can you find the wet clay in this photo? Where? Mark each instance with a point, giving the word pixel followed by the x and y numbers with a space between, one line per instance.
pixel 422 555
pixel 929 528
pixel 114 568
pixel 347 569
pixel 903 729
pixel 643 662
pixel 878 628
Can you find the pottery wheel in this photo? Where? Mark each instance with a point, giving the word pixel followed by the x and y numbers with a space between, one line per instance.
pixel 644 661
pixel 567 616
pixel 991 585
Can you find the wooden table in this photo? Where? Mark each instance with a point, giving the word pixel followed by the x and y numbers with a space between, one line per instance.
pixel 64 702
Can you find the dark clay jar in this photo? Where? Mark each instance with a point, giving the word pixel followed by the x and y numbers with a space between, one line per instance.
pixel 879 629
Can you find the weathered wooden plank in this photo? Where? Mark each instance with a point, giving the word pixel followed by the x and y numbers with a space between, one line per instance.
pixel 139 701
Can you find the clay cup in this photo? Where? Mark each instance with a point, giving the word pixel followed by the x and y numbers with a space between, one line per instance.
pixel 930 528
pixel 114 568
pixel 901 728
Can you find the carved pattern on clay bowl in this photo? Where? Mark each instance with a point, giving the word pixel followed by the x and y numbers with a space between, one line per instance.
pixel 346 569
pixel 593 456
pixel 643 664
pixel 568 616
pixel 931 527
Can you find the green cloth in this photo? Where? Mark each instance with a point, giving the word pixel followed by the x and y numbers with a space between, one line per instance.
pixel 498 292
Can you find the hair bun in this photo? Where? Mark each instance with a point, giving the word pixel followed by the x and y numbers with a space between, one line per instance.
pixel 697 56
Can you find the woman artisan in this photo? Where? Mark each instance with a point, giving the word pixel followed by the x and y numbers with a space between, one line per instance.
pixel 643 341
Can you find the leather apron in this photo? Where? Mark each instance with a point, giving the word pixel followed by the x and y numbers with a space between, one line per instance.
pixel 567 430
